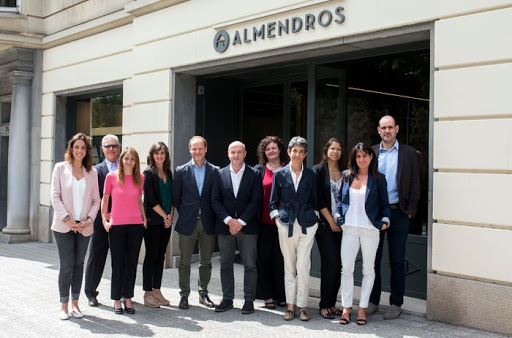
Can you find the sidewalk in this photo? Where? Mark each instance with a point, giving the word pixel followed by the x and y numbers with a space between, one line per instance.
pixel 29 307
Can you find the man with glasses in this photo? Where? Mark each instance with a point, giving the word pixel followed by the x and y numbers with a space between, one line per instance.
pixel 99 242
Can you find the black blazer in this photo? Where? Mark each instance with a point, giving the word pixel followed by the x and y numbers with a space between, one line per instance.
pixel 245 206
pixel 187 200
pixel 408 178
pixel 300 205
pixel 102 170
pixel 376 202
pixel 323 189
pixel 152 196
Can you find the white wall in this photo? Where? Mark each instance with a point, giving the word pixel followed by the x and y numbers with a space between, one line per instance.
pixel 473 146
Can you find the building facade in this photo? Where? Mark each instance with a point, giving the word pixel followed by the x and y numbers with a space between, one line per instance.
pixel 152 70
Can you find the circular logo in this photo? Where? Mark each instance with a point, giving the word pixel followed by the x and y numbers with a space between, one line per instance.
pixel 221 41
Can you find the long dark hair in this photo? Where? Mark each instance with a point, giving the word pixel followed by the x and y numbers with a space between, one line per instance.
pixel 136 169
pixel 87 160
pixel 353 169
pixel 156 147
pixel 260 151
pixel 341 161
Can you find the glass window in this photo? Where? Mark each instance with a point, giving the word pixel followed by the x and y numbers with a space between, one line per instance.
pixel 98 116
pixel 5 110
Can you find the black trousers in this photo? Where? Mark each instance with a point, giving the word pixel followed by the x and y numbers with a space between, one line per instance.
pixel 125 241
pixel 156 238
pixel 96 262
pixel 270 265
pixel 329 245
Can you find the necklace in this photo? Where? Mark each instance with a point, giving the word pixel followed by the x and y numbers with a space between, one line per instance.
pixel 272 167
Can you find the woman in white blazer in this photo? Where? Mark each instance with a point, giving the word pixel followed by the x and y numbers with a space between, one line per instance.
pixel 75 200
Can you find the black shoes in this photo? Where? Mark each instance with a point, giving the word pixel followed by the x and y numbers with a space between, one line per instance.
pixel 93 302
pixel 183 303
pixel 129 310
pixel 206 301
pixel 225 305
pixel 247 308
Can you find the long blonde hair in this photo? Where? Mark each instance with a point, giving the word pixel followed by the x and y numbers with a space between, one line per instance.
pixel 136 168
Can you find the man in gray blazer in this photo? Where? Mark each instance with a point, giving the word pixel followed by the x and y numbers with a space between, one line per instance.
pixel 191 196
pixel 99 242
pixel 236 197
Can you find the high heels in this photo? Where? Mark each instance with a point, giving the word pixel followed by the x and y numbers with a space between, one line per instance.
pixel 129 310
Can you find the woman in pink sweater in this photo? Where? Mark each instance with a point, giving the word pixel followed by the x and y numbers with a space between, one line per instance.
pixel 125 227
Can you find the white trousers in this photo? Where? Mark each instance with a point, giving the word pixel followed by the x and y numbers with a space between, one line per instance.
pixel 354 238
pixel 297 262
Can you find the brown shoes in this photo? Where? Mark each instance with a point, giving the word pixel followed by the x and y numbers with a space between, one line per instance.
pixel 160 298
pixel 289 314
pixel 150 300
pixel 304 315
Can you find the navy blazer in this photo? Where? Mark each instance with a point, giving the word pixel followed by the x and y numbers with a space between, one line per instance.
pixel 376 201
pixel 187 200
pixel 245 206
pixel 152 196
pixel 291 205
pixel 102 170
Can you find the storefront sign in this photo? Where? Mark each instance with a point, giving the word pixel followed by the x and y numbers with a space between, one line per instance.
pixel 273 29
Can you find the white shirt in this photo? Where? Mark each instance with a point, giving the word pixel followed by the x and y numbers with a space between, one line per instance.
pixel 356 213
pixel 78 197
pixel 236 178
pixel 295 179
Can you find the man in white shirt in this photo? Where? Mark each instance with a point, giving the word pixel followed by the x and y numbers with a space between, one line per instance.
pixel 236 196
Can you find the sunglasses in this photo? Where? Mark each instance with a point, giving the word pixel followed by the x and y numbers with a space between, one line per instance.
pixel 111 146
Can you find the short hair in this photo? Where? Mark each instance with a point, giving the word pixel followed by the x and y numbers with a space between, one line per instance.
pixel 341 161
pixel 136 168
pixel 298 141
pixel 373 169
pixel 108 137
pixel 197 137
pixel 260 151
pixel 87 160
pixel 156 147
pixel 387 115
pixel 235 143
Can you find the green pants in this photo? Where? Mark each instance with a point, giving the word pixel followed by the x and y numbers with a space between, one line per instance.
pixel 187 244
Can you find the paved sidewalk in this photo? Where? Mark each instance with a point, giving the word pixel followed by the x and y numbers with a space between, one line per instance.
pixel 29 307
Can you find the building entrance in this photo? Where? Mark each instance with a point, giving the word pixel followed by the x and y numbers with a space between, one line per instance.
pixel 320 99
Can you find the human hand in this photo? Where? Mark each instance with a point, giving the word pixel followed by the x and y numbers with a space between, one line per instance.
pixel 384 226
pixel 277 221
pixel 234 226
pixel 334 225
pixel 107 226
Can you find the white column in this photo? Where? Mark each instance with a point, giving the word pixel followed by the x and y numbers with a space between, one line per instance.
pixel 18 181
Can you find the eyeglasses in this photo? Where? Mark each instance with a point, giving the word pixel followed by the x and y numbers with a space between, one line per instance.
pixel 111 146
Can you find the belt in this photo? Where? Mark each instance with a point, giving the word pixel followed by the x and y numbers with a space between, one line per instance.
pixel 394 206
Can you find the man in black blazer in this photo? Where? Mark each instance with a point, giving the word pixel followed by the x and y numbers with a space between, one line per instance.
pixel 236 196
pixel 99 242
pixel 399 163
pixel 196 220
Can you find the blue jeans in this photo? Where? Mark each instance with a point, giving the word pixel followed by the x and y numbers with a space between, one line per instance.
pixel 72 249
pixel 397 241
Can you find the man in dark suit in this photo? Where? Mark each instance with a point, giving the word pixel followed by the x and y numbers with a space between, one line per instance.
pixel 99 241
pixel 191 195
pixel 399 163
pixel 236 196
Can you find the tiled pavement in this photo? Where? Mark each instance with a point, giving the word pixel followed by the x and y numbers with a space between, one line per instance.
pixel 29 307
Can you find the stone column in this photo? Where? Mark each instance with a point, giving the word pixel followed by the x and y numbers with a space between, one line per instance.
pixel 18 181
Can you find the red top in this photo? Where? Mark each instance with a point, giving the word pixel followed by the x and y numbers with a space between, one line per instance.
pixel 125 199
pixel 267 189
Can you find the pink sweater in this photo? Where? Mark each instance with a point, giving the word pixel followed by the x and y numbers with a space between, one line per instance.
pixel 125 199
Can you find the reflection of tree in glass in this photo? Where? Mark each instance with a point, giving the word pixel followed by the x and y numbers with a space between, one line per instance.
pixel 107 111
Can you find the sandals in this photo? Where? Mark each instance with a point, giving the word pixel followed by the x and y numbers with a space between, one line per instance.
pixel 361 321
pixel 345 321
pixel 338 312
pixel 327 315
pixel 270 305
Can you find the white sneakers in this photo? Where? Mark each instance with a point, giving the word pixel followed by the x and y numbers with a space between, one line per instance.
pixel 63 315
pixel 75 314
